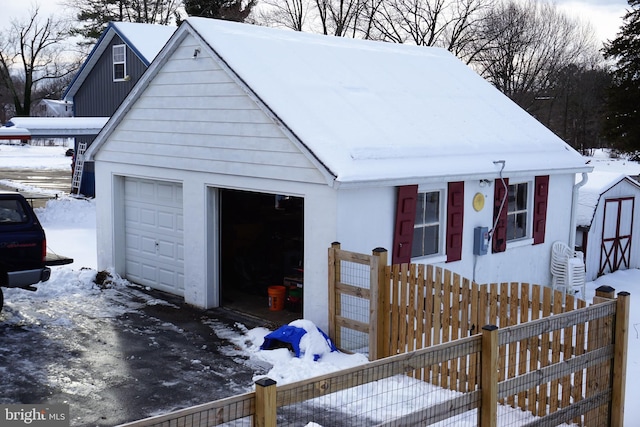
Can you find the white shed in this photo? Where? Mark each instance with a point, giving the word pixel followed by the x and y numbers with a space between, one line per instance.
pixel 245 151
pixel 605 223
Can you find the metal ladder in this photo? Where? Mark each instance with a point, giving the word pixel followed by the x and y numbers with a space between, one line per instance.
pixel 77 170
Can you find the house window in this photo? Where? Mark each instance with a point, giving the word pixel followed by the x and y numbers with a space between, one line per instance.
pixel 518 211
pixel 119 62
pixel 428 225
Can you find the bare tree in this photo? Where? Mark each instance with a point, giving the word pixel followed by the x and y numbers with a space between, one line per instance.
pixel 338 17
pixel 526 44
pixel 291 14
pixel 32 59
pixel 450 24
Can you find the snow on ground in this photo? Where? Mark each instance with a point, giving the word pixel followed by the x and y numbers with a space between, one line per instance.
pixel 70 227
pixel 16 156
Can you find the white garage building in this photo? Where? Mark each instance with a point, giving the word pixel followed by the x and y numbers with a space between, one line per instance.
pixel 244 152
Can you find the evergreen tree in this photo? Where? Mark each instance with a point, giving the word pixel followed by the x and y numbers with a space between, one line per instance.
pixel 229 10
pixel 94 15
pixel 622 124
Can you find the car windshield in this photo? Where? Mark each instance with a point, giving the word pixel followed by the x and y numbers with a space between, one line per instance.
pixel 12 212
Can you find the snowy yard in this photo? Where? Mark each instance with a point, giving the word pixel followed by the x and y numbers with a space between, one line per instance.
pixel 71 297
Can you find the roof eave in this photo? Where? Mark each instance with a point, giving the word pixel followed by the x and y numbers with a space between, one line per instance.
pixel 411 180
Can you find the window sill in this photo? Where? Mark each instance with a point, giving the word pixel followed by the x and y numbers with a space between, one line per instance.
pixel 528 241
pixel 430 259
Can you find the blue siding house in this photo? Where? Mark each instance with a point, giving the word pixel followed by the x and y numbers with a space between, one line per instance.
pixel 114 66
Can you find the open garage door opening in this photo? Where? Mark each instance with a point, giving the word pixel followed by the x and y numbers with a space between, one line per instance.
pixel 261 254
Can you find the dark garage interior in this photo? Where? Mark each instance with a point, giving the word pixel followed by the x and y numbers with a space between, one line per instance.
pixel 261 247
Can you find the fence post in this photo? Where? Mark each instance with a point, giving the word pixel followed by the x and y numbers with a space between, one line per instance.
pixel 604 293
pixel 619 371
pixel 379 307
pixel 488 414
pixel 265 403
pixel 332 273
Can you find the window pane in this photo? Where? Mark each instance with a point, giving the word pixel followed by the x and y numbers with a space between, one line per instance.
pixel 517 212
pixel 420 209
pixel 426 233
pixel 433 207
pixel 118 53
pixel 418 240
pixel 118 71
pixel 426 241
pixel 521 225
pixel 516 226
pixel 512 191
pixel 431 240
pixel 521 203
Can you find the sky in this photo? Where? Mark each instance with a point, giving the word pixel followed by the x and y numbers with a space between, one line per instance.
pixel 605 15
pixel 70 297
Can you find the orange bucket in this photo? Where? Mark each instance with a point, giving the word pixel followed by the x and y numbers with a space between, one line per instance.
pixel 277 295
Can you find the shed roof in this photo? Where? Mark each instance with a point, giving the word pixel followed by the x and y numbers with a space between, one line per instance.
pixel 145 40
pixel 373 111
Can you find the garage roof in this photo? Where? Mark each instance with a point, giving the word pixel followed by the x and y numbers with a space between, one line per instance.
pixel 372 111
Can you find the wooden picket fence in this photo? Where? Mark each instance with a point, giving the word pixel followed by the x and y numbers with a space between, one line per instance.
pixel 417 306
pixel 495 345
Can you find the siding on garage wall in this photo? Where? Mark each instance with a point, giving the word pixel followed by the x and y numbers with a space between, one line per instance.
pixel 194 116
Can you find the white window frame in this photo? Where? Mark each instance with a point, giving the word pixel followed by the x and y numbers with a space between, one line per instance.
pixel 527 239
pixel 119 57
pixel 440 255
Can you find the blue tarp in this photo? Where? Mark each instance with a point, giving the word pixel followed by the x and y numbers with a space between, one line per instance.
pixel 289 336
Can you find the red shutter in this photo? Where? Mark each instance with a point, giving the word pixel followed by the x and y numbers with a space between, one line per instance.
pixel 455 215
pixel 499 234
pixel 540 208
pixel 405 219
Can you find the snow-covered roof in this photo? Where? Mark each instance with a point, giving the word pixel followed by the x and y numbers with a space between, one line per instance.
pixel 145 40
pixel 598 182
pixel 14 132
pixel 372 111
pixel 58 127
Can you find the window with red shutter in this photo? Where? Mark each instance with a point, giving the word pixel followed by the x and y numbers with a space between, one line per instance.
pixel 455 216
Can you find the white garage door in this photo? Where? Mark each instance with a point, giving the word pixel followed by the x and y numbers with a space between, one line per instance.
pixel 154 242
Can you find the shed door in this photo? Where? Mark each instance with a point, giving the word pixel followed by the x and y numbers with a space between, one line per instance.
pixel 615 250
pixel 154 249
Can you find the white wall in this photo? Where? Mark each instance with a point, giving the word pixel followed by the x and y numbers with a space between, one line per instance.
pixel 366 221
pixel 522 261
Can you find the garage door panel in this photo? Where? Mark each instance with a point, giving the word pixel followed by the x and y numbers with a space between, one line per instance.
pixel 148 245
pixel 148 217
pixel 167 221
pixel 154 234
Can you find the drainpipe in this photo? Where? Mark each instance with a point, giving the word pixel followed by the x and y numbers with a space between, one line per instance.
pixel 574 204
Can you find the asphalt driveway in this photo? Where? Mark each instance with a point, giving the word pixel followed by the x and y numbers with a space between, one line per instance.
pixel 153 355
pixel 163 356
